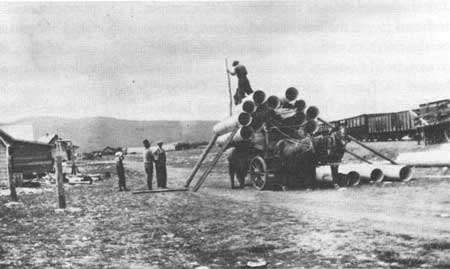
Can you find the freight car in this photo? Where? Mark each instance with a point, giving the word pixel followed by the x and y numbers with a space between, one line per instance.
pixel 434 121
pixel 378 127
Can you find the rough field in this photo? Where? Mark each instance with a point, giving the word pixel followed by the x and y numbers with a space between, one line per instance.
pixel 386 225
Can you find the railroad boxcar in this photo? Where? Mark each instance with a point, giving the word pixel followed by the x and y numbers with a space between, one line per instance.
pixel 391 126
pixel 436 121
pixel 356 126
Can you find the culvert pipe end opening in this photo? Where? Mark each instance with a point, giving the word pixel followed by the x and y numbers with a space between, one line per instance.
pixel 312 112
pixel 246 132
pixel 273 102
pixel 248 106
pixel 245 119
pixel 376 175
pixel 354 178
pixel 259 97
pixel 406 173
pixel 291 93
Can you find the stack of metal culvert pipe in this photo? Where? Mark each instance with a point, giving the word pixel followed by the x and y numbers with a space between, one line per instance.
pixel 259 108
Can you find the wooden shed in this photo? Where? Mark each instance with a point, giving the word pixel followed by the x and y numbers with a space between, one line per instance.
pixel 26 157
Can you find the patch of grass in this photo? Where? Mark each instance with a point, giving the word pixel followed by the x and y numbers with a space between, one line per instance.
pixel 391 256
pixel 442 265
pixel 387 255
pixel 437 245
pixel 261 248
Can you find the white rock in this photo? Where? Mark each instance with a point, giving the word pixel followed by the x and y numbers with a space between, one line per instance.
pixel 14 205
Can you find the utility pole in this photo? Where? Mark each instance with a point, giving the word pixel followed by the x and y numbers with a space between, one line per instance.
pixel 229 87
pixel 12 183
pixel 59 176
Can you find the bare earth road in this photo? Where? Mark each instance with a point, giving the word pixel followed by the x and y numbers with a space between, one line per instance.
pixel 391 216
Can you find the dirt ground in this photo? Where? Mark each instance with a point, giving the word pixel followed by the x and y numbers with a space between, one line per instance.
pixel 383 225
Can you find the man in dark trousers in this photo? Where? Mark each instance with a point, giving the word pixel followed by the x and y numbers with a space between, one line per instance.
pixel 244 87
pixel 120 171
pixel 148 163
pixel 160 166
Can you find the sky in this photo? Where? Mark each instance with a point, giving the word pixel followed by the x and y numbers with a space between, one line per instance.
pixel 165 60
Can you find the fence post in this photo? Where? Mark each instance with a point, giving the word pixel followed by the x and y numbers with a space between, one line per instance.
pixel 12 184
pixel 59 178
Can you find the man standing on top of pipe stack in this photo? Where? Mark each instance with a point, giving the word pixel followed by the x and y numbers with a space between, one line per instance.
pixel 244 87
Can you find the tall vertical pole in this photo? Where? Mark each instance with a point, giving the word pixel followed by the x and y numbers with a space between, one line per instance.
pixel 229 87
pixel 12 183
pixel 59 176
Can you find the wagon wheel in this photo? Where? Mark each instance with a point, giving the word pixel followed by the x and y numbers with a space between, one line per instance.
pixel 258 173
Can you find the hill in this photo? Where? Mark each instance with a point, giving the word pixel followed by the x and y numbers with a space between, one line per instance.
pixel 98 132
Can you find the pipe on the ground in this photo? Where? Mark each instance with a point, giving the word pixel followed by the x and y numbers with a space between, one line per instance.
pixel 228 124
pixel 354 178
pixel 430 158
pixel 367 172
pixel 323 175
pixel 243 134
pixel 396 172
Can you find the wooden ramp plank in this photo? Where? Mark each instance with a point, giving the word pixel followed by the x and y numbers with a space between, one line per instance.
pixel 159 191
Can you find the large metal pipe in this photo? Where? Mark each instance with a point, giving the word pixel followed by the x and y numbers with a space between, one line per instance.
pixel 259 97
pixel 311 127
pixel 323 175
pixel 259 141
pixel 312 113
pixel 300 105
pixel 273 102
pixel 430 158
pixel 354 178
pixel 367 172
pixel 244 133
pixel 396 172
pixel 246 106
pixel 291 94
pixel 228 124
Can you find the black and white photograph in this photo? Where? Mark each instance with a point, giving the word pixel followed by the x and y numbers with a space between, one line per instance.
pixel 225 134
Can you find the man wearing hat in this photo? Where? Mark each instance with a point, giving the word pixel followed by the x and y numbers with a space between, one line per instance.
pixel 160 166
pixel 120 171
pixel 244 87
pixel 148 163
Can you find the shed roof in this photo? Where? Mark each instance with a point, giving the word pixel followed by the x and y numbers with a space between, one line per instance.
pixel 48 138
pixel 11 140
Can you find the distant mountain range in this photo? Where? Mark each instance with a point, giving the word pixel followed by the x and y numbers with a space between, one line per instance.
pixel 98 132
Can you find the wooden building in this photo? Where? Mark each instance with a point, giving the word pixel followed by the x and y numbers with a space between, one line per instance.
pixel 68 150
pixel 26 157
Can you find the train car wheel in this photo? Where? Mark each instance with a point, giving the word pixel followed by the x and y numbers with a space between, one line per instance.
pixel 258 173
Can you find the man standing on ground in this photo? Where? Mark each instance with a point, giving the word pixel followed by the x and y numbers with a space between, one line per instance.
pixel 120 171
pixel 148 163
pixel 160 166
pixel 244 87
